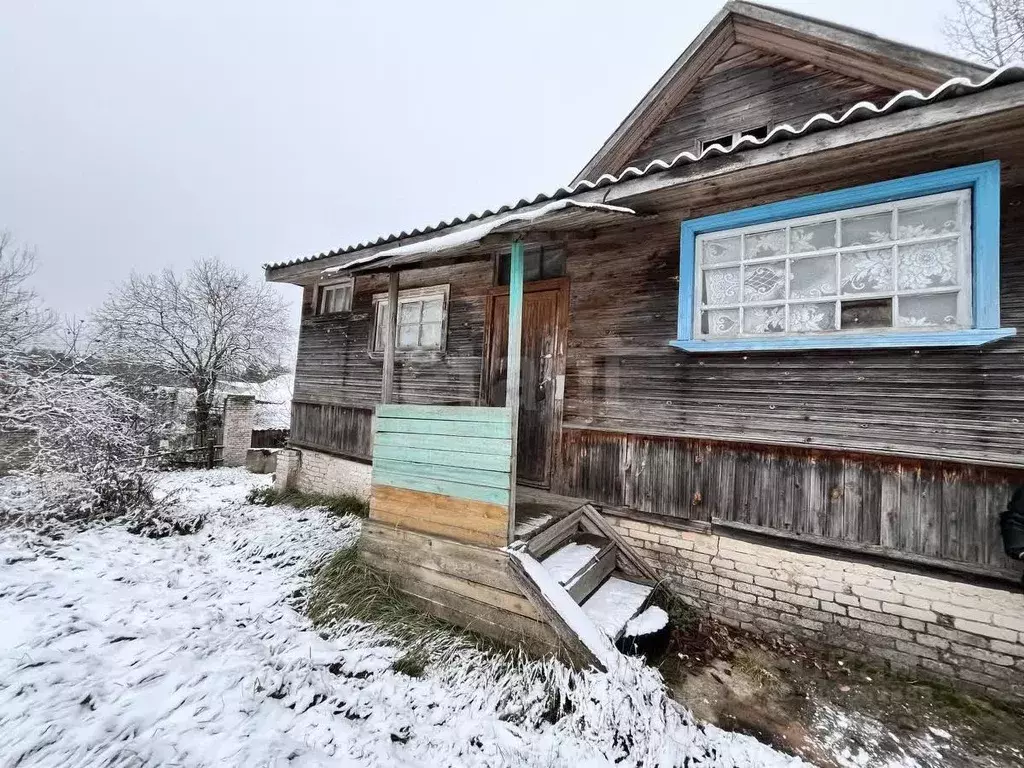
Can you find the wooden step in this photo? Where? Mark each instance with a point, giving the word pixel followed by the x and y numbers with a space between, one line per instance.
pixel 616 601
pixel 581 564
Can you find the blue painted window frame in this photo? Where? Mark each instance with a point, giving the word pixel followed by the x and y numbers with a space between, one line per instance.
pixel 983 181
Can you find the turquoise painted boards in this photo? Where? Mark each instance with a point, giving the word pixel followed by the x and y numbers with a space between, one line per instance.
pixel 463 452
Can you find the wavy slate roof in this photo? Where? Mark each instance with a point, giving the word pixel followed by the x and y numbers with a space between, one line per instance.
pixel 957 86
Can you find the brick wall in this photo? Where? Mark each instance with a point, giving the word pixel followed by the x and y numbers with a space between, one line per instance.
pixel 239 415
pixel 916 623
pixel 315 472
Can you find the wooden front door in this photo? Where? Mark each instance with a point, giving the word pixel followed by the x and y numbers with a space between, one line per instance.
pixel 543 365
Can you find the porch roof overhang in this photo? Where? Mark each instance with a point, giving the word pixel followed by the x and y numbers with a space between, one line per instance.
pixel 551 221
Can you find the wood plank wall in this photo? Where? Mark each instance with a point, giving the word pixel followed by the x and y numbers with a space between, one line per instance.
pixel 444 470
pixel 942 407
pixel 461 583
pixel 930 511
pixel 338 383
pixel 748 89
pixel 336 429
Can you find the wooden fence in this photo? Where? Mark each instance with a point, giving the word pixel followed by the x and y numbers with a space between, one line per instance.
pixel 444 470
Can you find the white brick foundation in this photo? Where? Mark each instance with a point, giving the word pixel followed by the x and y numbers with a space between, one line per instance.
pixel 920 624
pixel 315 472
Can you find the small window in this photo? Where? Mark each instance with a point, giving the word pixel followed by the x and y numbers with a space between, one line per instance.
pixel 334 298
pixel 422 320
pixel 538 264
pixel 728 141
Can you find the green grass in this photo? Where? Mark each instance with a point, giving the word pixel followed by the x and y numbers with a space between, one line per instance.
pixel 345 504
pixel 346 588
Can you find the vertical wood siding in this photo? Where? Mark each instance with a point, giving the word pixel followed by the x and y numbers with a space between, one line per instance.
pixel 930 510
pixel 333 428
pixel 747 91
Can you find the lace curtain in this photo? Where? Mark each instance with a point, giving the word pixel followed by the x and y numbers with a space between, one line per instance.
pixel 901 265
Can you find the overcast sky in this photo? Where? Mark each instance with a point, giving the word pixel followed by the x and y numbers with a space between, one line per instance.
pixel 139 134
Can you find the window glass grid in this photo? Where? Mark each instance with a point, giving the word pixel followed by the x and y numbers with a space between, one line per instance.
pixel 335 298
pixel 746 277
pixel 420 323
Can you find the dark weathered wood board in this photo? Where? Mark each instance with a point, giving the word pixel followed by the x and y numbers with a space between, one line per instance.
pixel 752 90
pixel 333 428
pixel 939 512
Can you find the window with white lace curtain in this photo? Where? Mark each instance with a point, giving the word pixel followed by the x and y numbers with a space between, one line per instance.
pixel 903 265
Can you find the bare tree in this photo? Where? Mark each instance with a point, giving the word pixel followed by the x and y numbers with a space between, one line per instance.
pixel 988 30
pixel 22 317
pixel 209 322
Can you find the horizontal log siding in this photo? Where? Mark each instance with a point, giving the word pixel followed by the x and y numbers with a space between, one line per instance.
pixel 961 404
pixel 338 383
pixel 748 91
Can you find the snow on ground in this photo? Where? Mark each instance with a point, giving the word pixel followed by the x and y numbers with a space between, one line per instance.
pixel 116 650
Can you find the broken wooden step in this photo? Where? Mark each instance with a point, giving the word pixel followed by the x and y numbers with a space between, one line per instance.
pixel 582 564
pixel 616 602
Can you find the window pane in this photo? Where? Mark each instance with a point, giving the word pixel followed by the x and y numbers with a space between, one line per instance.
pixel 927 265
pixel 380 327
pixel 807 318
pixel 864 230
pixel 430 335
pixel 531 266
pixel 765 282
pixel 722 286
pixel 928 220
pixel 432 310
pixel 761 245
pixel 553 262
pixel 408 336
pixel 764 319
pixel 812 237
pixel 409 312
pixel 866 313
pixel 721 322
pixel 504 269
pixel 866 272
pixel 812 278
pixel 925 311
pixel 721 251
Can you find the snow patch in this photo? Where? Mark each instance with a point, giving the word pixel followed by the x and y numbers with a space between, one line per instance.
pixel 652 620
pixel 476 233
pixel 189 651
pixel 614 603
pixel 567 561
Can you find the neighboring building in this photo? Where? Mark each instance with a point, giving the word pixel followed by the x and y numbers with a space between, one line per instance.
pixel 769 330
pixel 175 407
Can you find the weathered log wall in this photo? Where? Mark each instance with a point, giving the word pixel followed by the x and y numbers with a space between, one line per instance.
pixel 748 89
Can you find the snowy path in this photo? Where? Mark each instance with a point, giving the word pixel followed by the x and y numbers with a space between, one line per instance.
pixel 124 651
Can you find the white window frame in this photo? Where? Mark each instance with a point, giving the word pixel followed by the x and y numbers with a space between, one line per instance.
pixel 964 234
pixel 405 296
pixel 325 290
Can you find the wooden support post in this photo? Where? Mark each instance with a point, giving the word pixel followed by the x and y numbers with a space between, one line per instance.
pixel 515 348
pixel 387 394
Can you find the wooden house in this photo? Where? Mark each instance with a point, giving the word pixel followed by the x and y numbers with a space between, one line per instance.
pixel 767 335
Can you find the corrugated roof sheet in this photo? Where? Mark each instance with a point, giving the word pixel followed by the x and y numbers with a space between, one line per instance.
pixel 957 86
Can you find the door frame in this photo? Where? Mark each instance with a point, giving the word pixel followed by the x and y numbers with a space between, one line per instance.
pixel 561 285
